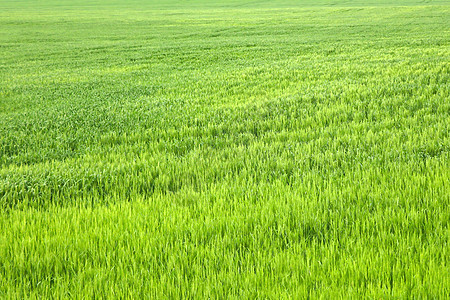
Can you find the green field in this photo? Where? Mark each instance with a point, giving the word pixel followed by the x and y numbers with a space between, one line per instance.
pixel 224 149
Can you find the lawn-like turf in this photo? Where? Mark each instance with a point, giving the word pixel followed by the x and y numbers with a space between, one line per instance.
pixel 224 149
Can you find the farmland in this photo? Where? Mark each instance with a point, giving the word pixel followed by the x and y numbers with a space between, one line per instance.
pixel 224 149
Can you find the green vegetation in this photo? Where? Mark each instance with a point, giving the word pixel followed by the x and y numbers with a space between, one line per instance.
pixel 227 149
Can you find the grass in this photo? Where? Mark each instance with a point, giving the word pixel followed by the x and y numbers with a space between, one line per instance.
pixel 272 149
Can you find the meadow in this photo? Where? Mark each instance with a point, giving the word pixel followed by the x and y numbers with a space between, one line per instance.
pixel 224 149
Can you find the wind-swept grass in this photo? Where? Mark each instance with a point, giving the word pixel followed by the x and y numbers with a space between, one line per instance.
pixel 235 149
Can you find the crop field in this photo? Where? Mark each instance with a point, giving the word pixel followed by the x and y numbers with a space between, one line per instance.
pixel 224 149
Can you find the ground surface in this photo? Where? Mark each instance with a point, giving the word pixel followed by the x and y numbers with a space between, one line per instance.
pixel 229 148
